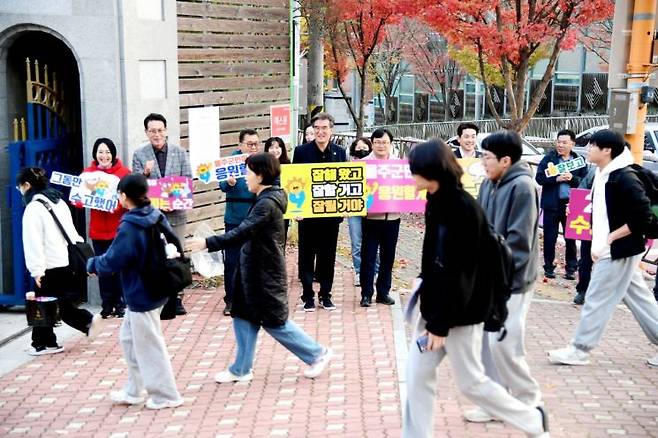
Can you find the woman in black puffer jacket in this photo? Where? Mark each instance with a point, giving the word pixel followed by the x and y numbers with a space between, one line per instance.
pixel 261 295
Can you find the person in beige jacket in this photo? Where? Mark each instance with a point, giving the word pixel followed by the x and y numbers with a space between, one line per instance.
pixel 379 232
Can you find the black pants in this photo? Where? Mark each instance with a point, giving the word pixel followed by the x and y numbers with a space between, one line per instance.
pixel 584 266
pixel 231 261
pixel 553 218
pixel 317 249
pixel 56 283
pixel 109 285
pixel 382 235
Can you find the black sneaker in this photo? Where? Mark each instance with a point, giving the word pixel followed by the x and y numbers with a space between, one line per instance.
pixel 385 300
pixel 365 302
pixel 309 305
pixel 327 304
pixel 180 310
pixel 570 276
pixel 579 298
pixel 549 274
pixel 227 309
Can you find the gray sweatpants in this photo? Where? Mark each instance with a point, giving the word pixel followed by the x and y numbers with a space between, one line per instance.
pixel 504 361
pixel 614 281
pixel 463 346
pixel 146 354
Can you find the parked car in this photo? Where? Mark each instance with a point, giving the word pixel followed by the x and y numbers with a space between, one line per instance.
pixel 650 136
pixel 531 154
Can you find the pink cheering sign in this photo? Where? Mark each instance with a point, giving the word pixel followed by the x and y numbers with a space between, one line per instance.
pixel 579 219
pixel 171 193
pixel 391 188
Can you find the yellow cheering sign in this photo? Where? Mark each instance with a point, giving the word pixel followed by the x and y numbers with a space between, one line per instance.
pixel 324 189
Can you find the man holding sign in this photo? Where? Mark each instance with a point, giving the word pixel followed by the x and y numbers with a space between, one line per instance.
pixel 559 171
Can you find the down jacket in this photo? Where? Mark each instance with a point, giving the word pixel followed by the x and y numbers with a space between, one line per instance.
pixel 261 294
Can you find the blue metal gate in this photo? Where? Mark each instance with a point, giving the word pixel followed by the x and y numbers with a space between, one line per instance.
pixel 41 140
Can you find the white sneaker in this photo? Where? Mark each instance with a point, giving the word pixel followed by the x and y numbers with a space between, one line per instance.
pixel 43 351
pixel 478 415
pixel 653 361
pixel 318 367
pixel 569 355
pixel 120 397
pixel 94 327
pixel 228 377
pixel 150 404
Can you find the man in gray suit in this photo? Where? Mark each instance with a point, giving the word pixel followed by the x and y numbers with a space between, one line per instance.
pixel 158 159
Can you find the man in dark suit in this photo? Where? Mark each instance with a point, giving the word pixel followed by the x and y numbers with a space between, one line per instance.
pixel 157 159
pixel 467 134
pixel 318 236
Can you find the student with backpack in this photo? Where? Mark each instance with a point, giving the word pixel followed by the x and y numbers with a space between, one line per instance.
pixel 509 199
pixel 453 300
pixel 621 221
pixel 149 366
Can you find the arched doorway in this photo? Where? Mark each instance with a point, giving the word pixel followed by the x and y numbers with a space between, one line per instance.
pixel 42 109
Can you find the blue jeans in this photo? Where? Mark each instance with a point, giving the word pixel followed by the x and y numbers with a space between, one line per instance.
pixel 289 335
pixel 355 229
pixel 379 235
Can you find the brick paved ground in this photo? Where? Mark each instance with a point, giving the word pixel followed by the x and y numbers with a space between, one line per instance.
pixel 67 394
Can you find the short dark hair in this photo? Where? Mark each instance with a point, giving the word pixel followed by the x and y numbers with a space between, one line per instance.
pixel 504 144
pixel 154 117
pixel 283 159
pixel 607 138
pixel 265 166
pixel 569 132
pixel 467 125
pixel 36 176
pixel 135 187
pixel 380 133
pixel 246 132
pixel 323 116
pixel 110 145
pixel 366 140
pixel 434 160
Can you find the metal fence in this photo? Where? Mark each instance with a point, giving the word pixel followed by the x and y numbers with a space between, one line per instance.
pixel 544 127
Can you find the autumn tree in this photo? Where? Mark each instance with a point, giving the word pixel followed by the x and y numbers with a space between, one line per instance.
pixel 507 34
pixel 355 29
pixel 435 70
pixel 597 38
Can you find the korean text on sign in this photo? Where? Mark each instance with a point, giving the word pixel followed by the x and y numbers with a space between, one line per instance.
pixel 579 219
pixel 324 190
pixel 391 188
pixel 231 166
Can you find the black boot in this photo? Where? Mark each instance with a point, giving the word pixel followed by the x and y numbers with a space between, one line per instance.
pixel 180 310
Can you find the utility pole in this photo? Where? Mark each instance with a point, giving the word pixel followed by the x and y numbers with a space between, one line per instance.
pixel 632 61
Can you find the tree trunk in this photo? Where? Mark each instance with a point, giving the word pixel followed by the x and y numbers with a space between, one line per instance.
pixel 362 104
pixel 315 97
pixel 447 96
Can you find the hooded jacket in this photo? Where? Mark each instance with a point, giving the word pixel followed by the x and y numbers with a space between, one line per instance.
pixel 261 294
pixel 511 205
pixel 102 224
pixel 238 199
pixel 619 199
pixel 126 256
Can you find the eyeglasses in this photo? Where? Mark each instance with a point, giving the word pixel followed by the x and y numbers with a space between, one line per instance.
pixel 381 142
pixel 252 145
pixel 156 131
pixel 322 128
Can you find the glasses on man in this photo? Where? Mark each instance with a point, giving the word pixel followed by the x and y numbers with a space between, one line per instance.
pixel 252 144
pixel 381 142
pixel 156 131
pixel 322 128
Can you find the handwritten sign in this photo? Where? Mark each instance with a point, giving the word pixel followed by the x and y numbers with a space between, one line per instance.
pixel 579 219
pixel 95 190
pixel 564 167
pixel 324 189
pixel 171 193
pixel 231 166
pixel 391 188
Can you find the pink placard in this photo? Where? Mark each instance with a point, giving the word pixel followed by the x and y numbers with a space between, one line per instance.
pixel 390 188
pixel 171 193
pixel 579 219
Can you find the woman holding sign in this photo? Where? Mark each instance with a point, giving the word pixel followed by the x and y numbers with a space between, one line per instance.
pixel 103 225
pixel 261 292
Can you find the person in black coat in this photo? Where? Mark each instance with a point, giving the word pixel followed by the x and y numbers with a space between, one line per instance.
pixel 454 300
pixel 318 237
pixel 554 201
pixel 261 295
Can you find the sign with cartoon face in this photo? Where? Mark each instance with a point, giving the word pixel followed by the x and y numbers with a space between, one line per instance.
pixel 96 190
pixel 171 193
pixel 391 188
pixel 579 219
pixel 324 189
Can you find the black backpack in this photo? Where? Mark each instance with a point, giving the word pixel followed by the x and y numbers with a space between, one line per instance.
pixel 650 182
pixel 499 265
pixel 164 277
